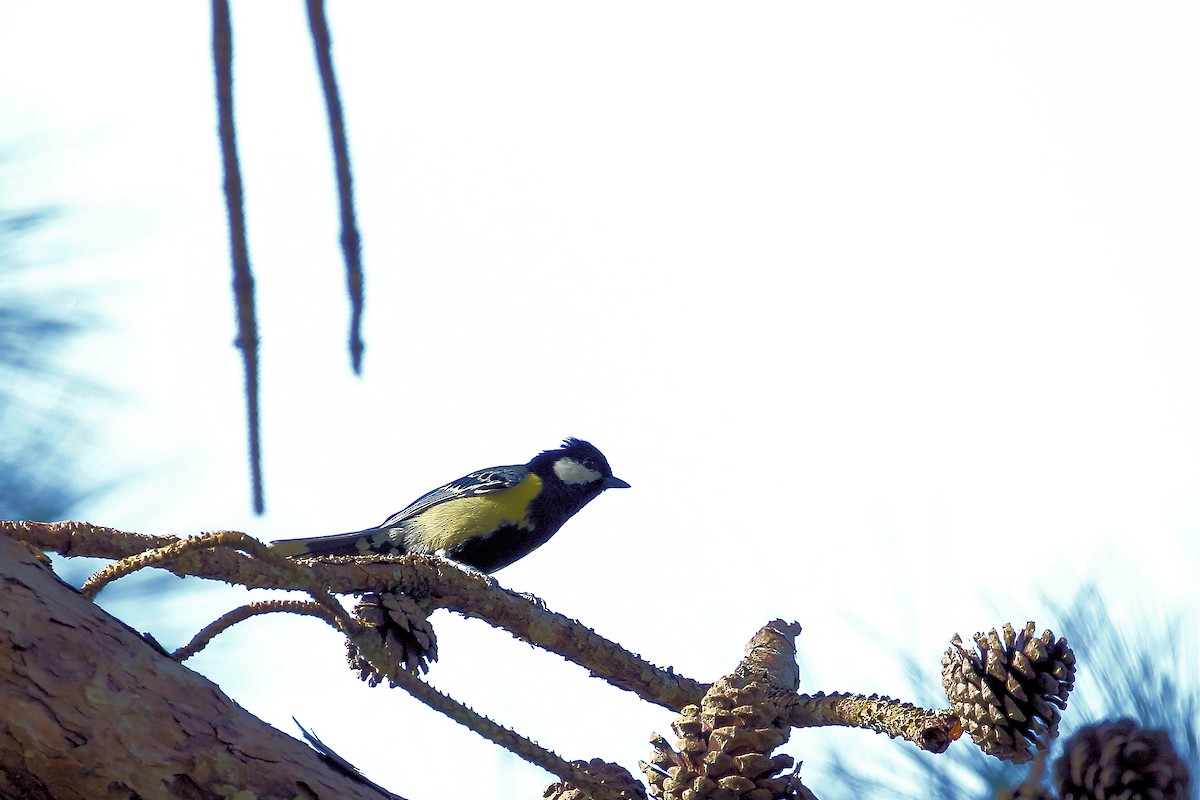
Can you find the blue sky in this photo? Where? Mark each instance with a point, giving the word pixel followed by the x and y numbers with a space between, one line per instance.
pixel 885 310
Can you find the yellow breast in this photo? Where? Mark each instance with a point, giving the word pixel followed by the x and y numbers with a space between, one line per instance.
pixel 448 524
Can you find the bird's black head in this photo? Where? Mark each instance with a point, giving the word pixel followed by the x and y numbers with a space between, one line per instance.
pixel 578 468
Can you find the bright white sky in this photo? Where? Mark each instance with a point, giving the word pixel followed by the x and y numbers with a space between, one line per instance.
pixel 887 312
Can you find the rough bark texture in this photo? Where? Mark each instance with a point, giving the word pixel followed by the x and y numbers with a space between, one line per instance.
pixel 89 709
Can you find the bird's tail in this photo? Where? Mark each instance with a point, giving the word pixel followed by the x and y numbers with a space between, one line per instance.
pixel 372 541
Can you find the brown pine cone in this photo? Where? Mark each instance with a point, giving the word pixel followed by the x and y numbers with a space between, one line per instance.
pixel 613 776
pixel 1008 695
pixel 724 749
pixel 403 628
pixel 1123 760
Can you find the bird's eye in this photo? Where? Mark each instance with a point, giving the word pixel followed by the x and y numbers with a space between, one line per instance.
pixel 589 463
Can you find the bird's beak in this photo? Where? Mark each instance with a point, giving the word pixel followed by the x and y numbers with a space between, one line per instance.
pixel 613 482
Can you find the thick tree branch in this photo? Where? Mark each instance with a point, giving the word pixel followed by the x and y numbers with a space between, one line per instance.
pixel 92 710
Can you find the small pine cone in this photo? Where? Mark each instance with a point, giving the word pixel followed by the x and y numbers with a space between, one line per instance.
pixel 403 628
pixel 724 749
pixel 1120 759
pixel 1008 695
pixel 613 776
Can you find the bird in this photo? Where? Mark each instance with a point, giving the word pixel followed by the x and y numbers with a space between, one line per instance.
pixel 485 520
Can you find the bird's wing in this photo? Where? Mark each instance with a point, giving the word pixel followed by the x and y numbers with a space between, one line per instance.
pixel 485 481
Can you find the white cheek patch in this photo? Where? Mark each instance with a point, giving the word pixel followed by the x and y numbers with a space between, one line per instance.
pixel 572 472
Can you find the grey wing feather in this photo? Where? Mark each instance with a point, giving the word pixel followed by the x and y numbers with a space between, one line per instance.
pixel 484 481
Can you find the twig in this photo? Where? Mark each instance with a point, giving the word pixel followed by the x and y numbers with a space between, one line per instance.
pixel 351 241
pixel 294 575
pixel 226 621
pixel 243 279
pixel 148 558
pixel 929 730
pixel 507 738
pixel 303 577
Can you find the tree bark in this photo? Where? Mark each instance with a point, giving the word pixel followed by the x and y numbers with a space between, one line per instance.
pixel 89 709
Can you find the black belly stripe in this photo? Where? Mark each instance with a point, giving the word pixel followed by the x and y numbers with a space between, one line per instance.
pixel 506 545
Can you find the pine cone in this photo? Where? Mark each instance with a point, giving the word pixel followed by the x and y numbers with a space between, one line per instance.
pixel 1006 695
pixel 404 629
pixel 613 776
pixel 1120 759
pixel 724 749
